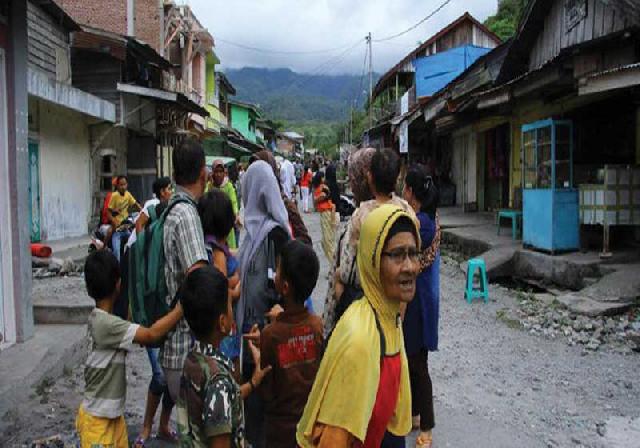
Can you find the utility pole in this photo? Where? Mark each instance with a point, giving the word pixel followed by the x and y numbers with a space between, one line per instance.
pixel 370 81
pixel 350 124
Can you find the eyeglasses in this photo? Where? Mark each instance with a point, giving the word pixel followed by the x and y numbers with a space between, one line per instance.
pixel 399 255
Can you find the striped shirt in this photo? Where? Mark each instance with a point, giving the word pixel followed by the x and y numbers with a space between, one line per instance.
pixel 183 247
pixel 105 370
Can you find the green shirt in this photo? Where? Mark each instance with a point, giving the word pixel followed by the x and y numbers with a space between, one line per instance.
pixel 228 188
pixel 110 338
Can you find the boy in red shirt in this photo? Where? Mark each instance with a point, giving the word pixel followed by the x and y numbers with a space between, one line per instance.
pixel 292 345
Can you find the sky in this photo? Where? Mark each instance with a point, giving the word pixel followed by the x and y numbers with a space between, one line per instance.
pixel 318 25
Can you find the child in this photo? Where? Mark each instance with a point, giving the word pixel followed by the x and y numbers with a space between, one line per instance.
pixel 292 345
pixel 100 420
pixel 217 217
pixel 210 407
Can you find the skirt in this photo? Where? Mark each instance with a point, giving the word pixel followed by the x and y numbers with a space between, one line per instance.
pixel 328 225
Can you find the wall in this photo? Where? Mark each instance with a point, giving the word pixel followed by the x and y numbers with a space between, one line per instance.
pixel 435 72
pixel 600 20
pixel 93 13
pixel 240 120
pixel 211 96
pixel 17 275
pixel 65 182
pixel 48 44
pixel 148 22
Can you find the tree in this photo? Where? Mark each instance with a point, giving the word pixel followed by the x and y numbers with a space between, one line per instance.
pixel 505 22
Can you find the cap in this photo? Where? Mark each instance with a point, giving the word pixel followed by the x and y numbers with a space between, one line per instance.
pixel 216 163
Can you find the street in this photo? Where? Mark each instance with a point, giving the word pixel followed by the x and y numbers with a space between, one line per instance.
pixel 494 385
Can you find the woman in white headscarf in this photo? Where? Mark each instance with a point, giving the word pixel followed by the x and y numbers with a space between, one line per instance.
pixel 267 229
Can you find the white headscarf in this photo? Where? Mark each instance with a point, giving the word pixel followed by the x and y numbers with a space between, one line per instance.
pixel 263 209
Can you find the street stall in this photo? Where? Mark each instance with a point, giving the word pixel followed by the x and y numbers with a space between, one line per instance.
pixel 550 202
pixel 613 201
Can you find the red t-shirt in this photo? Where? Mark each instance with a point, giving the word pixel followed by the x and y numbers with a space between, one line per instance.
pixel 306 179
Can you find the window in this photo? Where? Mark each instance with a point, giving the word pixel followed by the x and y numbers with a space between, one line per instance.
pixel 107 169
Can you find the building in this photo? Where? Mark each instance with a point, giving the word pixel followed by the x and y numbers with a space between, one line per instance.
pixel 16 310
pixel 551 114
pixel 290 143
pixel 243 118
pixel 60 119
pixel 151 118
pixel 431 66
pixel 190 47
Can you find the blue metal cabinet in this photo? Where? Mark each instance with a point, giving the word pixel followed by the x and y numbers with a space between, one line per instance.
pixel 550 212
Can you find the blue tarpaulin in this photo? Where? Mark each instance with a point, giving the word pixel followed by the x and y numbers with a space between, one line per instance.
pixel 435 72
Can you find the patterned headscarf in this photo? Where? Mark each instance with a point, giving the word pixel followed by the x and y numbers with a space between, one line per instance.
pixel 359 166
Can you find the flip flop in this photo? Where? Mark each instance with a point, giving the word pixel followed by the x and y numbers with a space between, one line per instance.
pixel 424 440
pixel 139 443
pixel 172 437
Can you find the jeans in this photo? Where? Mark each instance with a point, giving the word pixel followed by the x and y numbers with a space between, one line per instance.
pixel 116 241
pixel 158 384
pixel 305 199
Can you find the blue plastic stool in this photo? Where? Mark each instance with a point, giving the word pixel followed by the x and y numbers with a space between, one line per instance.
pixel 483 293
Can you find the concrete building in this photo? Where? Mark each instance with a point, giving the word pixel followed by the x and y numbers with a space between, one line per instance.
pixel 243 119
pixel 60 117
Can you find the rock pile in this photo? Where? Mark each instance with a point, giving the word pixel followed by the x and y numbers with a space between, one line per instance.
pixel 51 267
pixel 542 315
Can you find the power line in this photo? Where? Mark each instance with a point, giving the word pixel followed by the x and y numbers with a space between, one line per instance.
pixel 402 33
pixel 272 51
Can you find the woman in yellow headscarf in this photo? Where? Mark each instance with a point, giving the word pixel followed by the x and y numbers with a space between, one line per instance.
pixel 362 386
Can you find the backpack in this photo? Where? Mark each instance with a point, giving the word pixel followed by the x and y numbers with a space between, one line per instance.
pixel 147 289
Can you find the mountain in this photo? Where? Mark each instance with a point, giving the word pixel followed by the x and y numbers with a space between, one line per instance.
pixel 296 97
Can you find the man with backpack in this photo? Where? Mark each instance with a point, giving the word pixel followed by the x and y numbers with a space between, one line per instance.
pixel 184 249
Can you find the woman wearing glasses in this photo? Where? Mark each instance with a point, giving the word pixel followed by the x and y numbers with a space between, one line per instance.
pixel 421 318
pixel 362 390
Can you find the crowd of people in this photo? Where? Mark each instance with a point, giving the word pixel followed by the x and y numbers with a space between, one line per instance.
pixel 238 350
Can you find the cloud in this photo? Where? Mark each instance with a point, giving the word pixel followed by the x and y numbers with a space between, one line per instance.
pixel 309 25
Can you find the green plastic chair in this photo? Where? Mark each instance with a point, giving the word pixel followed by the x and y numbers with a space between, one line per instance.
pixel 473 265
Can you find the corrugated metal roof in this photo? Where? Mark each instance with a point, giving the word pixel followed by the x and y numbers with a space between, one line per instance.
pixel 610 71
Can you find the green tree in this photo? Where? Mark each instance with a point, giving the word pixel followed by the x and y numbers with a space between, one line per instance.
pixel 505 22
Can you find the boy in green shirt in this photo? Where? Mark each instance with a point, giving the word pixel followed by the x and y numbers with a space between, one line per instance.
pixel 100 420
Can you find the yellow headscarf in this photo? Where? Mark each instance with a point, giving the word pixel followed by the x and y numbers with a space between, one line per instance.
pixel 344 391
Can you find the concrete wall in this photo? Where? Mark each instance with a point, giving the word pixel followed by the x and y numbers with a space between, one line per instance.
pixel 65 182
pixel 16 268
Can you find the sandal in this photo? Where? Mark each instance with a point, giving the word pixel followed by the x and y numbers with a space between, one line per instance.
pixel 424 440
pixel 172 437
pixel 139 443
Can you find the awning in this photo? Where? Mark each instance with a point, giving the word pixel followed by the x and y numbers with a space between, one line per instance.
pixel 40 85
pixel 164 95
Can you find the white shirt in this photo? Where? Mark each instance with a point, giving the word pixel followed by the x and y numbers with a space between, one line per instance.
pixel 287 178
pixel 147 205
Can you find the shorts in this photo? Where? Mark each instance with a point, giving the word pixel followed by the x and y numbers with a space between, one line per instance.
pixel 100 431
